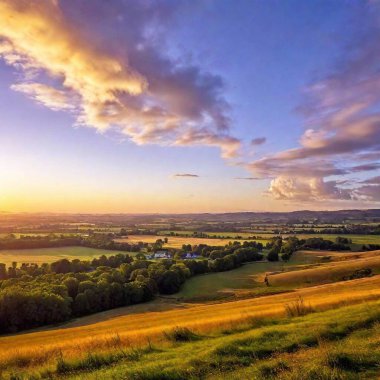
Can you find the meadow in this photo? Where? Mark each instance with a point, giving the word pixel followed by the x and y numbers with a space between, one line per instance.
pixel 337 344
pixel 137 340
pixel 49 255
pixel 305 268
pixel 228 284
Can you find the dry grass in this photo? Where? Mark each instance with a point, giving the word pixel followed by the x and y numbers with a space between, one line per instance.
pixel 141 328
pixel 175 241
pixel 313 256
pixel 329 272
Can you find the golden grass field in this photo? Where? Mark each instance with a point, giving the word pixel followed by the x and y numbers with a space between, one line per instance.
pixel 344 264
pixel 174 241
pixel 141 323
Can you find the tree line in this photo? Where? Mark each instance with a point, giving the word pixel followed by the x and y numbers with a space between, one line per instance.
pixel 94 240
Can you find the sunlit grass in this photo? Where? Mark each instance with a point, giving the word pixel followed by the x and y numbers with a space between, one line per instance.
pixel 320 342
pixel 41 349
pixel 327 272
pixel 48 255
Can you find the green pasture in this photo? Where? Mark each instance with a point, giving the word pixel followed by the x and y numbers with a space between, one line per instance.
pixel 48 255
pixel 216 285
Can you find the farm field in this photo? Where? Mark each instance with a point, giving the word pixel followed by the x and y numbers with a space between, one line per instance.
pixel 356 239
pixel 48 255
pixel 224 284
pixel 325 273
pixel 304 269
pixel 30 352
pixel 220 240
pixel 231 234
pixel 174 241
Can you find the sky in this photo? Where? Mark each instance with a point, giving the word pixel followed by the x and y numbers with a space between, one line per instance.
pixel 189 106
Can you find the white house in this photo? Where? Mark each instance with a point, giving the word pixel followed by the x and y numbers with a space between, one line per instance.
pixel 162 255
pixel 191 255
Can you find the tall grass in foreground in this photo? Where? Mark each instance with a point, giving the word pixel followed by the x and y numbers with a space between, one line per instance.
pixel 298 308
pixel 280 350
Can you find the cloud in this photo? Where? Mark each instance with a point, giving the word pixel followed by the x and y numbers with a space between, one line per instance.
pixel 115 73
pixel 248 178
pixel 258 141
pixel 306 189
pixel 229 145
pixel 341 135
pixel 45 95
pixel 372 181
pixel 185 175
pixel 365 167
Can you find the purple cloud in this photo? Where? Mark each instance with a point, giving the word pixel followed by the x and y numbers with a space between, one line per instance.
pixel 342 131
pixel 185 175
pixel 258 141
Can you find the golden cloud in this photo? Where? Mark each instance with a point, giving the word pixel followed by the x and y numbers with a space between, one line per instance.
pixel 153 102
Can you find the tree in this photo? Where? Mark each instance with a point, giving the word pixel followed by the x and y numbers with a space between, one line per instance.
pixel 71 284
pixel 80 306
pixel 169 282
pixel 3 271
pixel 61 266
pixel 272 255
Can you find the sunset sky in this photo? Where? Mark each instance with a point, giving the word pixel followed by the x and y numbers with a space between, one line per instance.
pixel 189 106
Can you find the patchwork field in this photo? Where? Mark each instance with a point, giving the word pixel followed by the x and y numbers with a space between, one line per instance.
pixel 221 238
pixel 174 241
pixel 265 236
pixel 48 255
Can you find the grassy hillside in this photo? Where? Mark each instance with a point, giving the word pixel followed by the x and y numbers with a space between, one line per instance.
pixel 337 344
pixel 224 284
pixel 319 327
pixel 123 337
pixel 325 273
pixel 304 269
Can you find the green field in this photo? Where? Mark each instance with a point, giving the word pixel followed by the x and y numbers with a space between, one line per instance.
pixel 356 239
pixel 265 236
pixel 222 284
pixel 249 278
pixel 48 255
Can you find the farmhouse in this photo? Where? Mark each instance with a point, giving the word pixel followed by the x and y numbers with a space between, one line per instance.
pixel 191 255
pixel 161 255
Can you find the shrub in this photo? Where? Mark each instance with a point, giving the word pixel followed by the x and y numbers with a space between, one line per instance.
pixel 181 334
pixel 298 308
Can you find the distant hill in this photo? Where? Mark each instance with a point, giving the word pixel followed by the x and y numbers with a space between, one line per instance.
pixel 294 217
